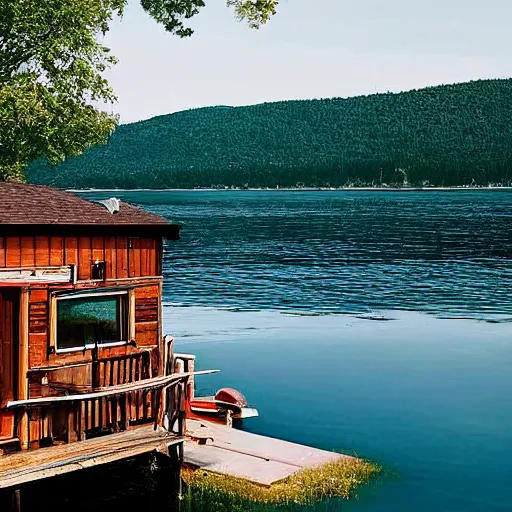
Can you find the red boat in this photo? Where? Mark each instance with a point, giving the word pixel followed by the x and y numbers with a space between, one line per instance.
pixel 226 406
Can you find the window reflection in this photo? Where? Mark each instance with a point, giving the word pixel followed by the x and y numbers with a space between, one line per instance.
pixel 88 320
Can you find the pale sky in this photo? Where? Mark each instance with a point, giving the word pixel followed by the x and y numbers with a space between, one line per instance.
pixel 311 49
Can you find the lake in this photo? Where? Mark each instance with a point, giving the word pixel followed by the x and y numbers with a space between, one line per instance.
pixel 376 323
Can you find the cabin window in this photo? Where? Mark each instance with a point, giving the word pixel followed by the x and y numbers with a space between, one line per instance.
pixel 86 320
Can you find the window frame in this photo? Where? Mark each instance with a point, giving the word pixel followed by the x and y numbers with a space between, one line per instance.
pixel 128 320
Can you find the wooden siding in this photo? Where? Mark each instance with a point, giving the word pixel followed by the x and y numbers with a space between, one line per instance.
pixel 42 245
pixel 8 372
pixel 124 256
pixel 146 316
pixel 128 262
pixel 147 306
pixel 38 322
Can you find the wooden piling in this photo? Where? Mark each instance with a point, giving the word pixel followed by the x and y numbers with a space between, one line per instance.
pixel 16 501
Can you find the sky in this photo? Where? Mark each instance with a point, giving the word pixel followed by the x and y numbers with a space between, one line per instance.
pixel 310 49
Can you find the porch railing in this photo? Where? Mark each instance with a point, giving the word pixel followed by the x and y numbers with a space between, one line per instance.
pixel 118 393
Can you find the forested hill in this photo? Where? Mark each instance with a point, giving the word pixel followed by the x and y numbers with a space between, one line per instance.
pixel 447 135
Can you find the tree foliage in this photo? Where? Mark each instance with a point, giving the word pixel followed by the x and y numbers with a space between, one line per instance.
pixel 51 66
pixel 448 135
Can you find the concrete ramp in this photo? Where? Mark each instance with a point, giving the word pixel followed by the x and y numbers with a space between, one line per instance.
pixel 258 459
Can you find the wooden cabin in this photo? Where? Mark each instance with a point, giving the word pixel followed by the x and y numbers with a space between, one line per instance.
pixel 82 352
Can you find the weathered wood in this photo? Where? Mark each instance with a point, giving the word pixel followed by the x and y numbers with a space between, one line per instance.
pixel 42 249
pixel 142 385
pixel 133 365
pixel 259 459
pixel 38 317
pixel 82 421
pixel 33 275
pixel 134 257
pixel 28 256
pixel 122 256
pixel 23 427
pixel 85 258
pixel 24 467
pixel 98 248
pixel 139 260
pixel 71 431
pixel 16 500
pixel 8 347
pixel 2 251
pixel 115 413
pixel 56 250
pixel 71 250
pixel 110 257
pixel 13 251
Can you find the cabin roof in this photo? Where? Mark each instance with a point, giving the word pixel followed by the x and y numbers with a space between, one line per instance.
pixel 22 204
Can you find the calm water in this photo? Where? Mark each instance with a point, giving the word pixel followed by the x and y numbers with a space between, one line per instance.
pixel 367 322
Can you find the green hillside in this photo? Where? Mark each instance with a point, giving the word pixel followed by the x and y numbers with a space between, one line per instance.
pixel 447 135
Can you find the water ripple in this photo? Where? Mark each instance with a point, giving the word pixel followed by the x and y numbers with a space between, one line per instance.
pixel 446 253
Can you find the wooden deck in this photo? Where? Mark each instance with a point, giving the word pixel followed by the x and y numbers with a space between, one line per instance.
pixel 258 459
pixel 23 467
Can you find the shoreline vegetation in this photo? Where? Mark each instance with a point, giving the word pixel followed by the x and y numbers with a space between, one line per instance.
pixel 294 189
pixel 445 136
pixel 341 479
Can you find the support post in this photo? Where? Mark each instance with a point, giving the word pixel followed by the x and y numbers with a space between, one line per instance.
pixel 95 381
pixel 16 501
pixel 161 341
pixel 131 315
pixel 176 456
pixel 191 381
pixel 23 426
pixel 182 426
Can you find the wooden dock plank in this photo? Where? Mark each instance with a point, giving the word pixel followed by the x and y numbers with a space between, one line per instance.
pixel 249 468
pixel 23 467
pixel 259 459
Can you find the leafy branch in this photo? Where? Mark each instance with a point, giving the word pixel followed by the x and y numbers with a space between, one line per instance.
pixel 51 67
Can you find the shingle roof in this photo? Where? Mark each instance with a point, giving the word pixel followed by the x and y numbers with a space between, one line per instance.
pixel 24 204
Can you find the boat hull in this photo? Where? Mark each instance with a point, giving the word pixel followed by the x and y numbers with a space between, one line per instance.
pixel 227 405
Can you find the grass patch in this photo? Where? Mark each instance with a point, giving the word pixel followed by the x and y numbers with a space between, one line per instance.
pixel 339 479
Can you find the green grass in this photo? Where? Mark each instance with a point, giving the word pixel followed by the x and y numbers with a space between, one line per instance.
pixel 339 479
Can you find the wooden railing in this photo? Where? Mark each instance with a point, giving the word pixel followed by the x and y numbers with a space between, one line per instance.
pixel 77 417
pixel 82 419
pixel 96 373
pixel 105 395
pixel 121 370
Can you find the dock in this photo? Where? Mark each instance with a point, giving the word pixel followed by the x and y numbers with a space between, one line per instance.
pixel 258 459
pixel 28 466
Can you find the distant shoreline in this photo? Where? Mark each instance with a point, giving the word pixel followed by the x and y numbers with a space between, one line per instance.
pixel 292 189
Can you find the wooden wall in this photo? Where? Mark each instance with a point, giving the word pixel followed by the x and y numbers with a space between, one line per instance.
pixel 147 325
pixel 128 261
pixel 39 328
pixel 124 256
pixel 8 371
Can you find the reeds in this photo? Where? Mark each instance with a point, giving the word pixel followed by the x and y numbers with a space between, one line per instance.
pixel 338 479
